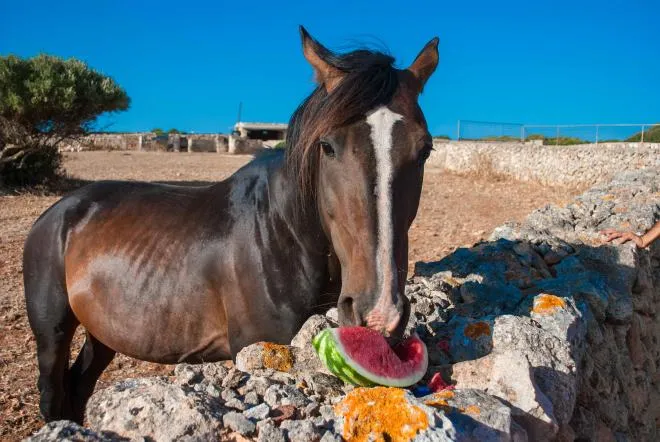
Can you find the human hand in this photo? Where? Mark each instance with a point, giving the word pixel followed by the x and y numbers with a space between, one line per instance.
pixel 622 237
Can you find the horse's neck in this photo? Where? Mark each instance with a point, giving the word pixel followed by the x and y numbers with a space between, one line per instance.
pixel 299 216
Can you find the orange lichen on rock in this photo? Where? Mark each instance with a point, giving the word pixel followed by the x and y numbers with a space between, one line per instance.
pixel 439 399
pixel 477 329
pixel 380 414
pixel 276 356
pixel 545 304
pixel 445 394
pixel 438 403
pixel 473 410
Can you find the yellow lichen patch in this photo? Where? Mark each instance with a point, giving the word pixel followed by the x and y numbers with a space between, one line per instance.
pixel 439 399
pixel 473 410
pixel 276 356
pixel 477 329
pixel 545 304
pixel 444 394
pixel 380 414
pixel 451 281
pixel 434 402
pixel 608 197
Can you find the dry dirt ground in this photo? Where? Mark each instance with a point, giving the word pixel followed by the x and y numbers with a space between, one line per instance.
pixel 456 210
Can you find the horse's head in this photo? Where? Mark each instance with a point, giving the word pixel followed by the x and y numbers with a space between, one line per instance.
pixel 361 140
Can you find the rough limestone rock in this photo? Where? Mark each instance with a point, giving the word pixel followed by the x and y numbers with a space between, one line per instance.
pixel 476 415
pixel 509 377
pixel 299 357
pixel 545 332
pixel 68 431
pixel 155 408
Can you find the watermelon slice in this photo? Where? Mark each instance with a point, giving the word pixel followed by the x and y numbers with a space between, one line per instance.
pixel 362 356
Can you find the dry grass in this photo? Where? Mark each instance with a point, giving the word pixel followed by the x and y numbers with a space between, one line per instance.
pixel 455 211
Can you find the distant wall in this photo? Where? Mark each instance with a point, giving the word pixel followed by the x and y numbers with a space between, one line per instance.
pixel 149 142
pixel 578 164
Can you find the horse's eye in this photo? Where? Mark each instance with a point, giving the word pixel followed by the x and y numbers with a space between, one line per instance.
pixel 327 149
pixel 424 154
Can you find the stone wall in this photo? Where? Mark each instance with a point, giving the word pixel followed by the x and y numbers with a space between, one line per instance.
pixel 148 141
pixel 544 332
pixel 103 141
pixel 579 164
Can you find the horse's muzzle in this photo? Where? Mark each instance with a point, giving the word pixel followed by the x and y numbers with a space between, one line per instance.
pixel 389 320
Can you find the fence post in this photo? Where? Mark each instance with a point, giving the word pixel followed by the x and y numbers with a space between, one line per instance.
pixel 557 142
pixel 643 126
pixel 522 134
pixel 458 133
pixel 596 135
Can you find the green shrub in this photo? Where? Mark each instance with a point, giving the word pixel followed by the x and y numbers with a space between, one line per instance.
pixel 501 138
pixel 651 135
pixel 45 100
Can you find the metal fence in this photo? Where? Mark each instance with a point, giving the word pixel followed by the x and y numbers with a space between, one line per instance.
pixel 556 134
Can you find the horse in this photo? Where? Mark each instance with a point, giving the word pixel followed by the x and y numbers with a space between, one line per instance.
pixel 173 274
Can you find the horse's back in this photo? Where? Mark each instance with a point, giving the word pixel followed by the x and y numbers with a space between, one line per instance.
pixel 132 258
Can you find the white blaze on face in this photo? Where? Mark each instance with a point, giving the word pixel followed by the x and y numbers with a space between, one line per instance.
pixel 382 122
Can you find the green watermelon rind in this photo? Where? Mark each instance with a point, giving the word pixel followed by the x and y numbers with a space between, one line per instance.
pixel 326 345
pixel 330 350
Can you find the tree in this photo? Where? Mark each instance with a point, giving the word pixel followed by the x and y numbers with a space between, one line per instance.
pixel 173 131
pixel 45 100
pixel 158 131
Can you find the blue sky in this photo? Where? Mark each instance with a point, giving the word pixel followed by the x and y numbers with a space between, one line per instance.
pixel 189 64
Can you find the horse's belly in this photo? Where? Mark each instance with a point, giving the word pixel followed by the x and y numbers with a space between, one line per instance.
pixel 156 327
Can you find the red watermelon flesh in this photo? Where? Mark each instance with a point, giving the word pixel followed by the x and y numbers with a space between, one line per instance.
pixel 373 357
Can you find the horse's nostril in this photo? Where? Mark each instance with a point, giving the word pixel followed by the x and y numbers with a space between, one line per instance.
pixel 348 314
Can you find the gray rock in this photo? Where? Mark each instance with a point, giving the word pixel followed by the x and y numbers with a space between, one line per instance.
pixel 300 431
pixel 478 416
pixel 236 404
pixel 234 378
pixel 333 315
pixel 257 384
pixel 251 398
pixel 286 359
pixel 329 436
pixel 327 412
pixel 257 413
pixel 311 328
pixel 273 395
pixel 311 409
pixel 155 408
pixel 213 373
pixel 323 384
pixel 292 396
pixel 270 433
pixel 68 431
pixel 509 376
pixel 228 394
pixel 239 423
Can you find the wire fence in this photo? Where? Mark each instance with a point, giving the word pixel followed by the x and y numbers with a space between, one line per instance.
pixel 562 134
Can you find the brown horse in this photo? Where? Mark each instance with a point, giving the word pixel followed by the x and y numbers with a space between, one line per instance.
pixel 172 274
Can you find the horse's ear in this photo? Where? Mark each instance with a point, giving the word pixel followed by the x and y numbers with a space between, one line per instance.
pixel 426 62
pixel 316 54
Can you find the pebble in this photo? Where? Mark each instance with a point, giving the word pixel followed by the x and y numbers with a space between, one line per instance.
pixel 257 413
pixel 251 398
pixel 238 422
pixel 236 404
pixel 268 432
pixel 300 431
